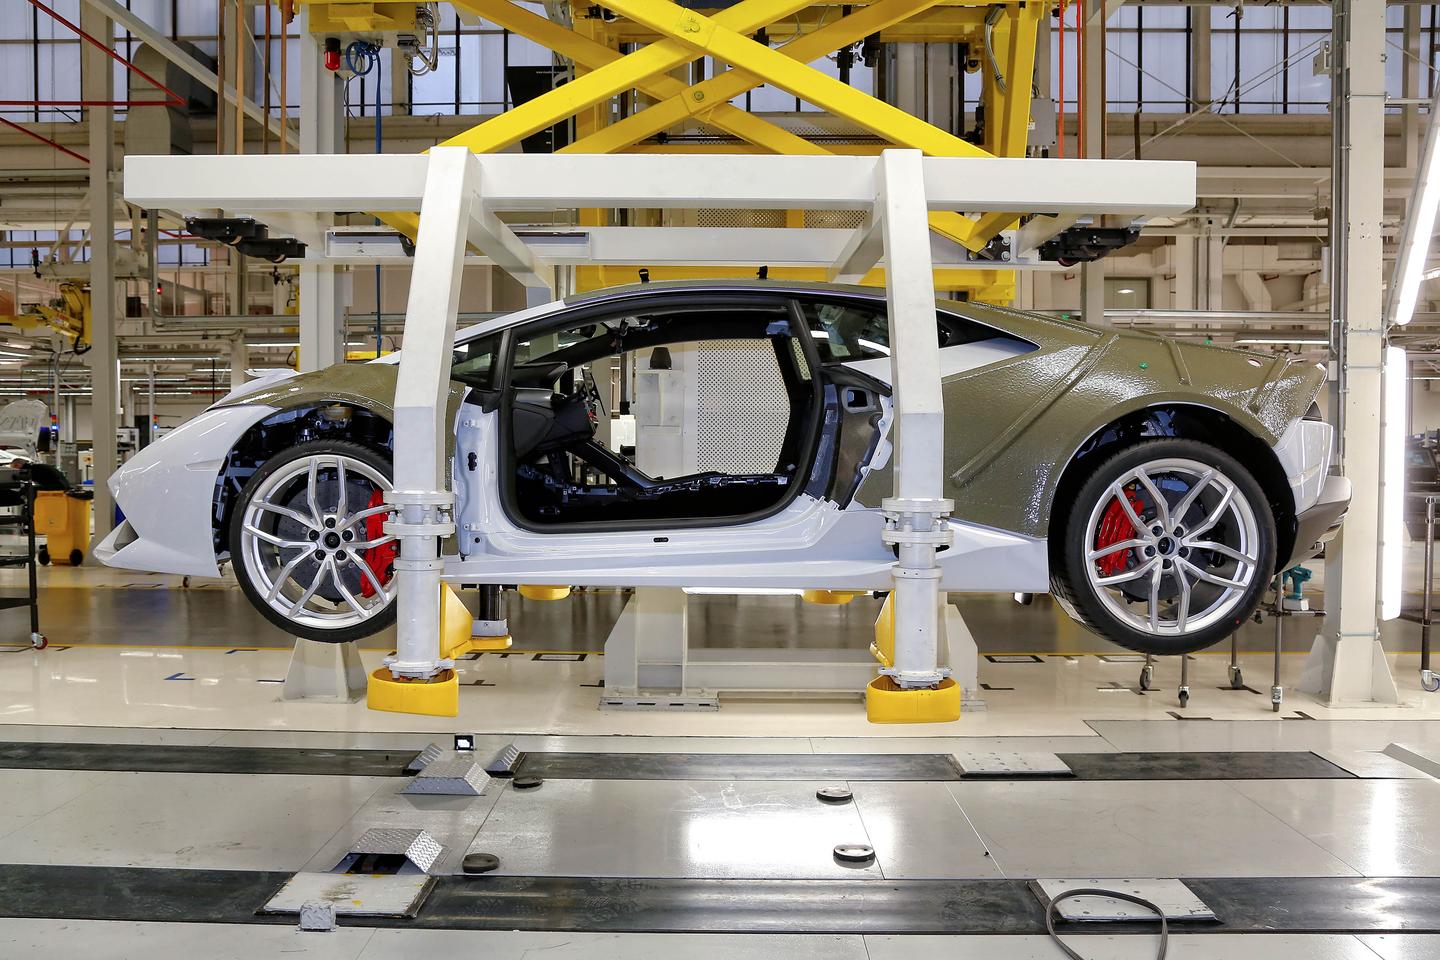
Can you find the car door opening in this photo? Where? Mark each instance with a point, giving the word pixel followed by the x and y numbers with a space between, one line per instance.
pixel 724 401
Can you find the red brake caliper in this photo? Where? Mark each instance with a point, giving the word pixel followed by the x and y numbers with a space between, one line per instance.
pixel 1115 527
pixel 381 559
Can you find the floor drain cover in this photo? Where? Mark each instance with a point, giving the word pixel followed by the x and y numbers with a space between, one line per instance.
pixel 834 795
pixel 857 853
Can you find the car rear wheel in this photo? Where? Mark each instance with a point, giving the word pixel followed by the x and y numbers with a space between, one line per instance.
pixel 1167 548
pixel 308 545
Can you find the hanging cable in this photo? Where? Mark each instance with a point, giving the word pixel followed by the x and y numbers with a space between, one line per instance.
pixel 361 57
pixel 1054 908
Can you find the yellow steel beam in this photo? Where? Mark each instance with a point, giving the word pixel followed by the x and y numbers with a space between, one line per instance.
pixel 610 78
pixel 593 55
pixel 1007 111
pixel 715 37
pixel 698 100
pixel 710 36
pixel 939 25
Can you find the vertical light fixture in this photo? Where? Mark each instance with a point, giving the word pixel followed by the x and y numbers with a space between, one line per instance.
pixel 1419 227
pixel 1392 480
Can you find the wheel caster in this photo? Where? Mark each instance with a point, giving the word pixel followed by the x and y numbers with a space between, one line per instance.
pixel 76 558
pixel 1147 677
pixel 43 556
pixel 1429 681
pixel 1184 698
pixel 1237 679
pixel 39 641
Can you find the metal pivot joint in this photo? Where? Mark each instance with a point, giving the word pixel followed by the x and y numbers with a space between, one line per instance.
pixel 420 520
pixel 917 528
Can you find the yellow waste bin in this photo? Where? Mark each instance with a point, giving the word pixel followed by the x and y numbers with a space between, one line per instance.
pixel 62 517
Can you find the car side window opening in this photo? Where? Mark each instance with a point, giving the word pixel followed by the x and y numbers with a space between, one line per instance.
pixel 846 331
pixel 720 410
pixel 473 362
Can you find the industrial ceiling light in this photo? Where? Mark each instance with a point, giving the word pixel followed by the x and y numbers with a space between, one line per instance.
pixel 1419 227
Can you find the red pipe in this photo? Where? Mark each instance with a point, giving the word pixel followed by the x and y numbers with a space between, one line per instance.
pixel 175 100
pixel 43 139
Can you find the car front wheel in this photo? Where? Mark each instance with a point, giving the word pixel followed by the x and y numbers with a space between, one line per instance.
pixel 308 542
pixel 1167 548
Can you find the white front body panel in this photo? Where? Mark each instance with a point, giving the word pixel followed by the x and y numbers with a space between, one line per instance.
pixel 809 544
pixel 166 492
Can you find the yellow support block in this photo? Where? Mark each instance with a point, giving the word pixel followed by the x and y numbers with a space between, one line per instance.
pixel 831 598
pixel 886 702
pixel 533 591
pixel 437 696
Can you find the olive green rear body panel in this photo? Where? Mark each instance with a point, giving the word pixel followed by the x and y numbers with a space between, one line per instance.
pixel 1011 427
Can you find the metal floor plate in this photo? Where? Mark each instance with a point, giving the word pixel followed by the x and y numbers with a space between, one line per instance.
pixel 995 763
pixel 671 828
pixel 355 895
pixel 1171 896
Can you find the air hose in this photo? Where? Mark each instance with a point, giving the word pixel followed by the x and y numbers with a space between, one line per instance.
pixel 1053 910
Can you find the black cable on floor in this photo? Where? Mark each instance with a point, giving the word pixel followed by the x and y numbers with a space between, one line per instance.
pixel 1053 910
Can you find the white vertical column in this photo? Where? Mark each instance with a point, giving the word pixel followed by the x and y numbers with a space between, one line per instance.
pixel 1347 663
pixel 97 82
pixel 916 516
pixel 420 495
pixel 322 130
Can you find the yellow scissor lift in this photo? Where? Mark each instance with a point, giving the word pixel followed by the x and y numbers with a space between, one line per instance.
pixel 627 53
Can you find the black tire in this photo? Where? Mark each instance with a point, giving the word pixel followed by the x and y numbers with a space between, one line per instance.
pixel 1073 590
pixel 43 557
pixel 76 558
pixel 378 460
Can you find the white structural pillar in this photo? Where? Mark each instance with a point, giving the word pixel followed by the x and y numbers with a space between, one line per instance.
pixel 1347 663
pixel 97 81
pixel 322 130
pixel 422 503
pixel 916 517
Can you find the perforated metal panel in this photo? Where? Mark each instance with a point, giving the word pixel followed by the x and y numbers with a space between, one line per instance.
pixel 742 409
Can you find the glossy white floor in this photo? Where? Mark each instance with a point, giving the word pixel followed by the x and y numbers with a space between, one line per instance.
pixel 1375 825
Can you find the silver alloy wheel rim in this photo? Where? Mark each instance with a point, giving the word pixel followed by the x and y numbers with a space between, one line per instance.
pixel 1171 562
pixel 277 564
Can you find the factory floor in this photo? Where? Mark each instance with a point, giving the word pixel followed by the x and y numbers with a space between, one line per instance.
pixel 156 791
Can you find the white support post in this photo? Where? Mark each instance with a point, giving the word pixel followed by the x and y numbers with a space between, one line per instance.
pixel 97 83
pixel 322 131
pixel 422 503
pixel 916 516
pixel 1347 663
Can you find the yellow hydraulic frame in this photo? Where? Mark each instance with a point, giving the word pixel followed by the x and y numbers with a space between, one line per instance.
pixel 68 315
pixel 670 37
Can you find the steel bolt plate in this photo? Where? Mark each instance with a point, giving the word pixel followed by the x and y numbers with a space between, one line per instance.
pixel 854 853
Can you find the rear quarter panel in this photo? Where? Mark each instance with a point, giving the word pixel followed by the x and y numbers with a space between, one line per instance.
pixel 1012 427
